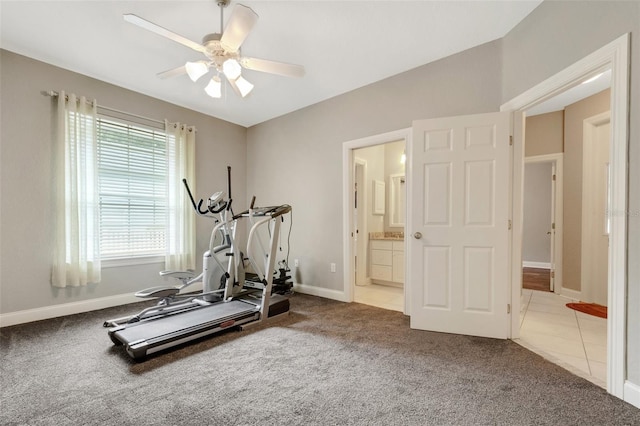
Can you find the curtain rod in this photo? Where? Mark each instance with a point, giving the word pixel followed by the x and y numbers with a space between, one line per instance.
pixel 55 94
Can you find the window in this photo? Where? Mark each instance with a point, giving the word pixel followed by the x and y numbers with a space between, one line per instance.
pixel 132 170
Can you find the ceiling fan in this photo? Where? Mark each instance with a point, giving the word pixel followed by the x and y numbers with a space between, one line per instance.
pixel 222 52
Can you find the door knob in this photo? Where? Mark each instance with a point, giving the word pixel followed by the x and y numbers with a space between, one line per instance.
pixel 417 235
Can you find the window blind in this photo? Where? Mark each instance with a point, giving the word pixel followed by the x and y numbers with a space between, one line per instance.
pixel 132 168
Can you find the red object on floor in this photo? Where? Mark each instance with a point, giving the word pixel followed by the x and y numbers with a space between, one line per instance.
pixel 589 308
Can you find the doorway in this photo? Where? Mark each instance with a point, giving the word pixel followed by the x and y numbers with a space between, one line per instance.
pixel 373 173
pixel 542 243
pixel 613 56
pixel 573 339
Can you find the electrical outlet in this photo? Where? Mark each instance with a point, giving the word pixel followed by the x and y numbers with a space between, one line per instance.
pixel 333 267
pixel 296 263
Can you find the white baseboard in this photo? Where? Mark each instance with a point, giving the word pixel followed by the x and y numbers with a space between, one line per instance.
pixel 632 393
pixel 571 294
pixel 320 291
pixel 539 265
pixel 54 311
pixel 37 314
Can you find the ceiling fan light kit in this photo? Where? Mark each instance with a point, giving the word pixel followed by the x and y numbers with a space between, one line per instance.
pixel 231 69
pixel 244 87
pixel 214 88
pixel 222 51
pixel 195 70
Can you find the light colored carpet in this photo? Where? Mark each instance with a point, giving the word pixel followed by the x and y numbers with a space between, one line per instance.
pixel 328 363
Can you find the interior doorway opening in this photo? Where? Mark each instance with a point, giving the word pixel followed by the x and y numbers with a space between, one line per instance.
pixel 378 213
pixel 374 213
pixel 614 57
pixel 542 242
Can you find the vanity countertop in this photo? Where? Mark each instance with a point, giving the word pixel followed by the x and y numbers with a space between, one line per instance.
pixel 394 236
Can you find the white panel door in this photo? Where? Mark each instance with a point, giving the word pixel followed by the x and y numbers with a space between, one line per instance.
pixel 459 230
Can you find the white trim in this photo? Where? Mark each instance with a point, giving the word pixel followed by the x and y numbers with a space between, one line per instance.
pixel 615 56
pixel 48 312
pixel 538 265
pixel 72 308
pixel 347 202
pixel 517 219
pixel 632 393
pixel 571 294
pixel 588 257
pixel 363 228
pixel 327 293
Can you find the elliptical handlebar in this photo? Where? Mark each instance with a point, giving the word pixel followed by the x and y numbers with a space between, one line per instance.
pixel 198 207
pixel 193 201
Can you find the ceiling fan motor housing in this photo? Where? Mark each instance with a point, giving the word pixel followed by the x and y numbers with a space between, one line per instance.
pixel 214 50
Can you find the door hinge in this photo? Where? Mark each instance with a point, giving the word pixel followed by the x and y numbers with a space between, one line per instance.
pixel 553 177
pixel 553 274
pixel 553 226
pixel 510 225
pixel 510 140
pixel 508 308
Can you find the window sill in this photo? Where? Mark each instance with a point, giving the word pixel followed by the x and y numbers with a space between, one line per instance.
pixel 131 261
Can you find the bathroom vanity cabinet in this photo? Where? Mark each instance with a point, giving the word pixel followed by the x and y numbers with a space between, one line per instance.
pixel 387 260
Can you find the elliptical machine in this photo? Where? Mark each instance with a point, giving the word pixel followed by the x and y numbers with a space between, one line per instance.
pixel 224 301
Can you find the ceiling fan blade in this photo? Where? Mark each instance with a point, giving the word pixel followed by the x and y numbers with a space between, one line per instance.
pixel 150 26
pixel 273 67
pixel 240 24
pixel 173 72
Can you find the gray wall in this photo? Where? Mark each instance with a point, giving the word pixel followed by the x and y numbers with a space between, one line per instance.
pixel 297 158
pixel 26 175
pixel 536 244
pixel 555 35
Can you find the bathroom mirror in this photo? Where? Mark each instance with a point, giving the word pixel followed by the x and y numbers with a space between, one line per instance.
pixel 397 199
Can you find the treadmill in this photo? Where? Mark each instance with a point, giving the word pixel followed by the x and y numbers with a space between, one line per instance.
pixel 172 325
pixel 144 338
pixel 147 337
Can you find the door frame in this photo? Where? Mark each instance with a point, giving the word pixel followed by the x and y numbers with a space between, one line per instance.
pixel 588 227
pixel 361 212
pixel 556 261
pixel 614 56
pixel 348 244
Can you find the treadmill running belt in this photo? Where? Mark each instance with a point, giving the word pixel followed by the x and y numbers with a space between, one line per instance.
pixel 171 330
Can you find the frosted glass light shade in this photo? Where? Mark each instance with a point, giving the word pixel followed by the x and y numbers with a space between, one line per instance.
pixel 231 69
pixel 214 88
pixel 243 86
pixel 195 70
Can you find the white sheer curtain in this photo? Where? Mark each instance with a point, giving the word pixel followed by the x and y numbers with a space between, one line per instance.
pixel 181 228
pixel 77 211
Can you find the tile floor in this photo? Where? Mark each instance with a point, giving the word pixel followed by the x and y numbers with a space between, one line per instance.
pixel 571 339
pixel 380 296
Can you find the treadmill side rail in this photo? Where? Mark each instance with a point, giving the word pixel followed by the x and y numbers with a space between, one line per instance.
pixel 144 338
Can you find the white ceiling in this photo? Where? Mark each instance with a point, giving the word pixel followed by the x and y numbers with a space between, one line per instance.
pixel 343 45
pixel 572 95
